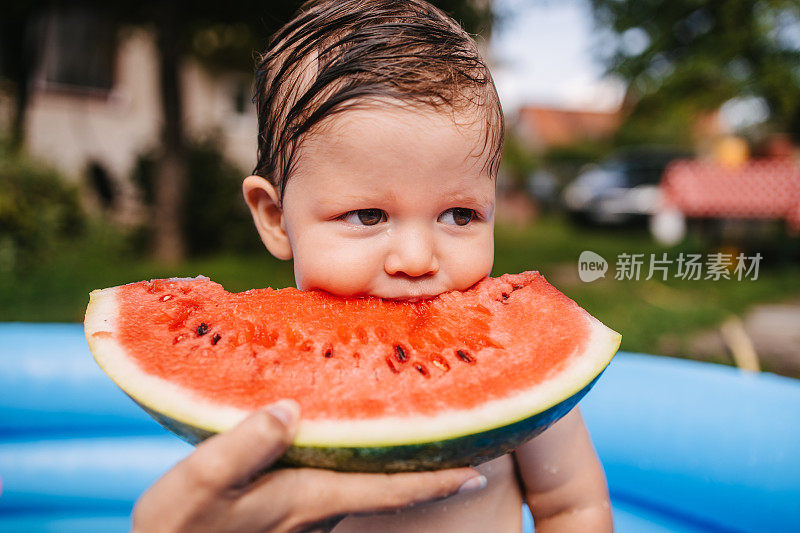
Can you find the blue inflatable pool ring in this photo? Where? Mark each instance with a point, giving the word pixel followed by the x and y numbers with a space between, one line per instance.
pixel 687 446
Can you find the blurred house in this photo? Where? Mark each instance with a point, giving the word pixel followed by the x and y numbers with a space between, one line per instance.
pixel 95 105
pixel 541 128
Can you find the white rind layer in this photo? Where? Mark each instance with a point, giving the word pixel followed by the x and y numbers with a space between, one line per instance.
pixel 189 408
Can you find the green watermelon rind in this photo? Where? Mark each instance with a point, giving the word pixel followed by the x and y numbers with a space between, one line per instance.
pixel 466 450
pixel 392 444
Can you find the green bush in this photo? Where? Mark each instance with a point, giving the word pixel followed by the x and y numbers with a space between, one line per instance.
pixel 39 211
pixel 216 217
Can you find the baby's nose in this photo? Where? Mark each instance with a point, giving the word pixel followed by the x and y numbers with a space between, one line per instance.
pixel 413 253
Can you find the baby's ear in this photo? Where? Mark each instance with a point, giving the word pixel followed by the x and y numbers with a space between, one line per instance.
pixel 262 199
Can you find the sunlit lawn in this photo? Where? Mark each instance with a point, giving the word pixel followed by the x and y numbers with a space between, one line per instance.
pixel 643 311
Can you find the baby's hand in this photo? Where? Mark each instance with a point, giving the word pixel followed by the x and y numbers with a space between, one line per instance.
pixel 217 487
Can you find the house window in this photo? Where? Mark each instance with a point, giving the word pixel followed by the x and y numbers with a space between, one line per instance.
pixel 241 97
pixel 80 46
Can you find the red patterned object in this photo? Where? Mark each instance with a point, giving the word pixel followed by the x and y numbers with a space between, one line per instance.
pixel 768 188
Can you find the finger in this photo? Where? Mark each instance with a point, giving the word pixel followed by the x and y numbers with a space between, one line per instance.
pixel 320 494
pixel 231 459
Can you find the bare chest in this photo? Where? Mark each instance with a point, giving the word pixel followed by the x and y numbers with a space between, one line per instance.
pixel 495 508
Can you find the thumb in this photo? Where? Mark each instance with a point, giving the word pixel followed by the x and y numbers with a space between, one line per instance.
pixel 232 459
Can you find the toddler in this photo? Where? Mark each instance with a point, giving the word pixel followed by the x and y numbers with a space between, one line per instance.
pixel 380 133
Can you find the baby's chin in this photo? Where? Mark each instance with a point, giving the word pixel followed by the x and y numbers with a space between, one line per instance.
pixel 386 295
pixel 406 296
pixel 412 299
pixel 401 293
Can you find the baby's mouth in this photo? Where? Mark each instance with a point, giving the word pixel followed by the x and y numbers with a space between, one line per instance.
pixel 412 298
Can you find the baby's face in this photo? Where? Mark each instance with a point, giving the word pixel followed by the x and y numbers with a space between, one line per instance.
pixel 391 203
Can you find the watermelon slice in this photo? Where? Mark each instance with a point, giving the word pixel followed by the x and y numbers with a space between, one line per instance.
pixel 383 385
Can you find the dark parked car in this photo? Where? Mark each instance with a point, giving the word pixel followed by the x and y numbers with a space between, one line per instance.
pixel 620 189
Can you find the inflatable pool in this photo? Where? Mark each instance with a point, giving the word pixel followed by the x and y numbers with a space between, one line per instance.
pixel 687 446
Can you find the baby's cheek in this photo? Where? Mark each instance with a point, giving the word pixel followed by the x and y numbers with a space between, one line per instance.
pixel 338 269
pixel 472 261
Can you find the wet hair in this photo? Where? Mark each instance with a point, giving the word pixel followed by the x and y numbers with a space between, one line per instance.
pixel 340 54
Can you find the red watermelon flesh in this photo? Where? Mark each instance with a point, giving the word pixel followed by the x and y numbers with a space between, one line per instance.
pixel 198 356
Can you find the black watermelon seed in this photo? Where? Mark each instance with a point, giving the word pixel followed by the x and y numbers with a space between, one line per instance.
pixel 391 365
pixel 328 352
pixel 202 329
pixel 464 356
pixel 400 353
pixel 422 370
pixel 517 287
pixel 215 338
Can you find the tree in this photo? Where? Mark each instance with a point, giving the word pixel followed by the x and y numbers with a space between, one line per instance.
pixel 224 36
pixel 681 57
pixel 18 49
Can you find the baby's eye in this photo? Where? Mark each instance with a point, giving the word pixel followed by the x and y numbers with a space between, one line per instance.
pixel 365 217
pixel 460 216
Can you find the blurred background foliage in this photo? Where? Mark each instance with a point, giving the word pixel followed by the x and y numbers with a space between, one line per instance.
pixel 218 220
pixel 682 57
pixel 39 213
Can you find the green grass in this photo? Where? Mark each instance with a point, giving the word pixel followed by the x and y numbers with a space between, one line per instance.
pixel 645 312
